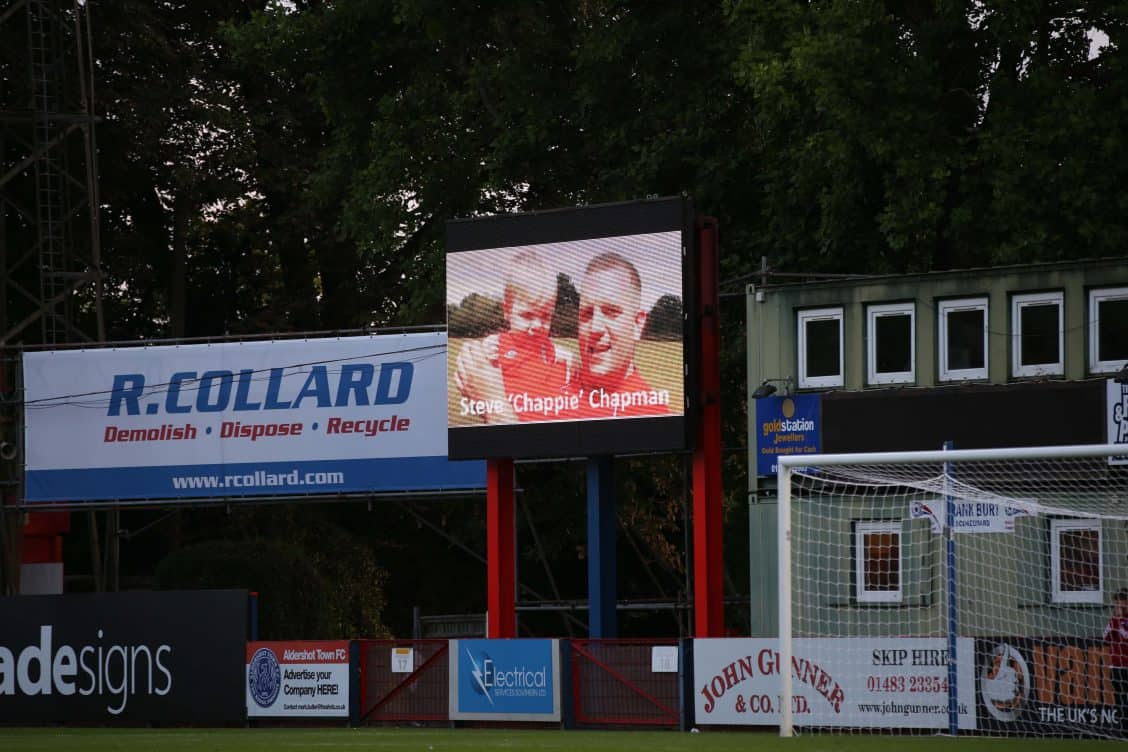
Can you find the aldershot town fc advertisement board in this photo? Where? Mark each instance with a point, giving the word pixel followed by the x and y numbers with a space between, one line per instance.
pixel 569 331
pixel 281 417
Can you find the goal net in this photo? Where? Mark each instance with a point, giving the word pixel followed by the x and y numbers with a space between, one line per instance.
pixel 960 592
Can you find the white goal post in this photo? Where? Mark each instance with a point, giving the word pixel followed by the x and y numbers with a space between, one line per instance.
pixel 955 591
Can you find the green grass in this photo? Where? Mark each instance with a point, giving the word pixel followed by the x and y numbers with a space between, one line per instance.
pixel 460 740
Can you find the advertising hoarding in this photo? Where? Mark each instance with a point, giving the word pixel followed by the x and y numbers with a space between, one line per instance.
pixel 298 679
pixel 787 425
pixel 1116 412
pixel 505 680
pixel 854 682
pixel 340 415
pixel 123 657
pixel 569 331
pixel 1046 687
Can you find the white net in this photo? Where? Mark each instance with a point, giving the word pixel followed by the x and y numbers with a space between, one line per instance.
pixel 974 596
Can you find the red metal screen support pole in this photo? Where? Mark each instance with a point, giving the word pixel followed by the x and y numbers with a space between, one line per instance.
pixel 501 566
pixel 708 559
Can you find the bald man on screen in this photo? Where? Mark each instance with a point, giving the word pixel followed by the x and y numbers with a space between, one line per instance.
pixel 611 323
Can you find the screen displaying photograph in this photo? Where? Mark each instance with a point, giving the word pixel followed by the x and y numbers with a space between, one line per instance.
pixel 569 331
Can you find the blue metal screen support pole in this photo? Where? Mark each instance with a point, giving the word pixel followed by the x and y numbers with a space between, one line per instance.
pixel 953 620
pixel 602 619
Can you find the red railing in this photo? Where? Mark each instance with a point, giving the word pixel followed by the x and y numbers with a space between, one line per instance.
pixel 419 695
pixel 614 684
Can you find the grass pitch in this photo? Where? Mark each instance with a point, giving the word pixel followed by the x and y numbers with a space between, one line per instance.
pixel 467 740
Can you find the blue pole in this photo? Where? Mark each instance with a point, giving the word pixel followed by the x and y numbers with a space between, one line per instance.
pixel 602 619
pixel 953 622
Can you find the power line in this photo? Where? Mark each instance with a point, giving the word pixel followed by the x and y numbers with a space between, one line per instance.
pixel 74 400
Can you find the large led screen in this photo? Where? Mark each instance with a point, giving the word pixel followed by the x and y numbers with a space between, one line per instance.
pixel 567 331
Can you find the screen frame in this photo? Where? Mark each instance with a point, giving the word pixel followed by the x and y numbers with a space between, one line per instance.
pixel 589 437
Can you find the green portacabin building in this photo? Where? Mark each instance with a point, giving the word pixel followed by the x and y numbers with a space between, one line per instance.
pixel 983 358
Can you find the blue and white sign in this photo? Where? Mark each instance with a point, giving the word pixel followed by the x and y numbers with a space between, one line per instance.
pixel 786 426
pixel 341 415
pixel 990 514
pixel 505 680
pixel 1117 410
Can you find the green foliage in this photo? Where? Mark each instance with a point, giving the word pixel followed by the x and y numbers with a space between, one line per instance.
pixel 565 316
pixel 302 158
pixel 477 316
pixel 289 587
pixel 914 136
pixel 315 579
pixel 665 320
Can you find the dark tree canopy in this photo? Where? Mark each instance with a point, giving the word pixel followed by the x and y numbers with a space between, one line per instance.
pixel 665 320
pixel 290 166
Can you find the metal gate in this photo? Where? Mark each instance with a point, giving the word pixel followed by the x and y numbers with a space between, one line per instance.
pixel 614 684
pixel 398 687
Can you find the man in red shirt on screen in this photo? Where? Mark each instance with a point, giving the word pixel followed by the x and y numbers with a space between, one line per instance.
pixel 611 322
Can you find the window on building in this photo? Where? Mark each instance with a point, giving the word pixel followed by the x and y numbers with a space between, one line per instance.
pixel 877 562
pixel 963 339
pixel 1075 554
pixel 1108 329
pixel 890 344
pixel 1036 325
pixel 820 348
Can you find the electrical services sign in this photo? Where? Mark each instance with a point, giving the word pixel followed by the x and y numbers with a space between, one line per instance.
pixel 352 414
pixel 123 657
pixel 786 426
pixel 301 679
pixel 856 682
pixel 505 680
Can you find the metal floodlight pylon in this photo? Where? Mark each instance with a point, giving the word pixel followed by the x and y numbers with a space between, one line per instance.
pixel 50 254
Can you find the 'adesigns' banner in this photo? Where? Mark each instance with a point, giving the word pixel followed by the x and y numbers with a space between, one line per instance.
pixel 272 418
pixel 173 657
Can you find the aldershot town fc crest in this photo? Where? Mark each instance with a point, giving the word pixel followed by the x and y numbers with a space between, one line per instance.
pixel 264 677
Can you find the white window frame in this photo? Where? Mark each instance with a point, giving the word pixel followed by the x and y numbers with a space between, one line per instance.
pixel 861 529
pixel 1096 297
pixel 1018 302
pixel 873 313
pixel 1058 526
pixel 946 307
pixel 820 314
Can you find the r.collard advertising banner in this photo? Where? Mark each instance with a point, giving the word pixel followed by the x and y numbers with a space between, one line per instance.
pixel 340 415
pixel 301 679
pixel 505 680
pixel 123 657
pixel 1053 687
pixel 847 682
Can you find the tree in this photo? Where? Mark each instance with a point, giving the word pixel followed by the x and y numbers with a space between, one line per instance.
pixel 173 173
pixel 665 320
pixel 565 315
pixel 477 316
pixel 911 136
